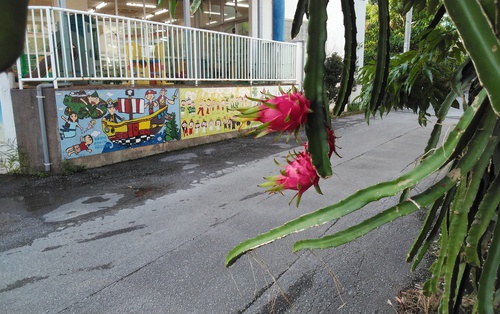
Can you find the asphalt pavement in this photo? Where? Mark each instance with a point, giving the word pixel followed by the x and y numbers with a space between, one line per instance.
pixel 151 235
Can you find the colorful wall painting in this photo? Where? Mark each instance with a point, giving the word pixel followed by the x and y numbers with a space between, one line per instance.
pixel 99 121
pixel 211 110
pixel 206 111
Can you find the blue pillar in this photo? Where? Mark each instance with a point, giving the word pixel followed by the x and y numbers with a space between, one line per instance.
pixel 279 20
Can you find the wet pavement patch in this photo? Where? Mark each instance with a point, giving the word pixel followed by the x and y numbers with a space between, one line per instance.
pixel 251 196
pixel 83 206
pixel 98 267
pixel 50 248
pixel 113 233
pixel 22 283
pixel 179 157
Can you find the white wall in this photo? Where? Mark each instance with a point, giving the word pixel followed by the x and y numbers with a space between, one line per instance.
pixel 261 19
pixel 335 26
pixel 8 128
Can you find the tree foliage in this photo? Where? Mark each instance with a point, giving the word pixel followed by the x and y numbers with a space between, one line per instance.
pixel 420 22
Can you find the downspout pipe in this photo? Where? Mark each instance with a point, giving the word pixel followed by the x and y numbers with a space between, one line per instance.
pixel 43 127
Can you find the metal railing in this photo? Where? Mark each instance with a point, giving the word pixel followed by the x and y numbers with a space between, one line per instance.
pixel 70 45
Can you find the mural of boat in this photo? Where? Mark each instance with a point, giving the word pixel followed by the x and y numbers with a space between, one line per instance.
pixel 135 130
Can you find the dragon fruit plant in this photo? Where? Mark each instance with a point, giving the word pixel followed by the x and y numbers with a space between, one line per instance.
pixel 284 113
pixel 462 207
pixel 287 113
pixel 300 173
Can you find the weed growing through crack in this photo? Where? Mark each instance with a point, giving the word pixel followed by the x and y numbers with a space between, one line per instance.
pixel 12 159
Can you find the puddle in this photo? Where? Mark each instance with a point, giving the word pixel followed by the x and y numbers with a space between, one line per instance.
pixel 179 157
pixel 83 206
pixel 190 166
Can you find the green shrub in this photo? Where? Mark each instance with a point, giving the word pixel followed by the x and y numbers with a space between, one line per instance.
pixel 333 72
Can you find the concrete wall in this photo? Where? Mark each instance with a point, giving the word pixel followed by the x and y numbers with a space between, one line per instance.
pixel 225 101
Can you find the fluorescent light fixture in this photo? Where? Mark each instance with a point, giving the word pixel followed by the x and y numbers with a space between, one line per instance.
pixel 161 11
pixel 212 13
pixel 147 17
pixel 132 4
pixel 171 21
pixel 230 18
pixel 212 22
pixel 91 11
pixel 101 5
pixel 240 5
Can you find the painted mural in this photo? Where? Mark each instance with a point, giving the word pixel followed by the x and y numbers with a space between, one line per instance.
pixel 100 121
pixel 211 110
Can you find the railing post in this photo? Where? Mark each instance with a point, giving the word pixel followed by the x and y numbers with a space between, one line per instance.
pixel 52 47
pixel 131 58
pixel 299 68
pixel 19 73
pixel 250 61
pixel 195 56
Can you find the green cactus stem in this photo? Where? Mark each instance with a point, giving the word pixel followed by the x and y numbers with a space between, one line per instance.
pixel 433 232
pixel 350 46
pixel 318 120
pixel 486 289
pixel 482 220
pixel 367 195
pixel 481 43
pixel 382 66
pixel 477 147
pixel 301 10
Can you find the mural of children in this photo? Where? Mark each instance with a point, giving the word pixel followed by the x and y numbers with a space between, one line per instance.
pixel 69 128
pixel 210 125
pixel 112 116
pixel 184 128
pixel 190 106
pixel 91 125
pixel 203 126
pixel 150 103
pixel 183 107
pixel 191 127
pixel 209 105
pixel 201 108
pixel 163 100
pixel 85 142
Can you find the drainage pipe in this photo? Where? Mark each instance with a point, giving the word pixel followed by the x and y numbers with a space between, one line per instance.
pixel 43 127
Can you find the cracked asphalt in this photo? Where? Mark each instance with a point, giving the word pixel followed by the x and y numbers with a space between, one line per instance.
pixel 151 235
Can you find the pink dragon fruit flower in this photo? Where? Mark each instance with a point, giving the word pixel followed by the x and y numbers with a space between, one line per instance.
pixel 299 175
pixel 285 113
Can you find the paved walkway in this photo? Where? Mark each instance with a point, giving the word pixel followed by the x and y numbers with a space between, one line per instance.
pixel 148 246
